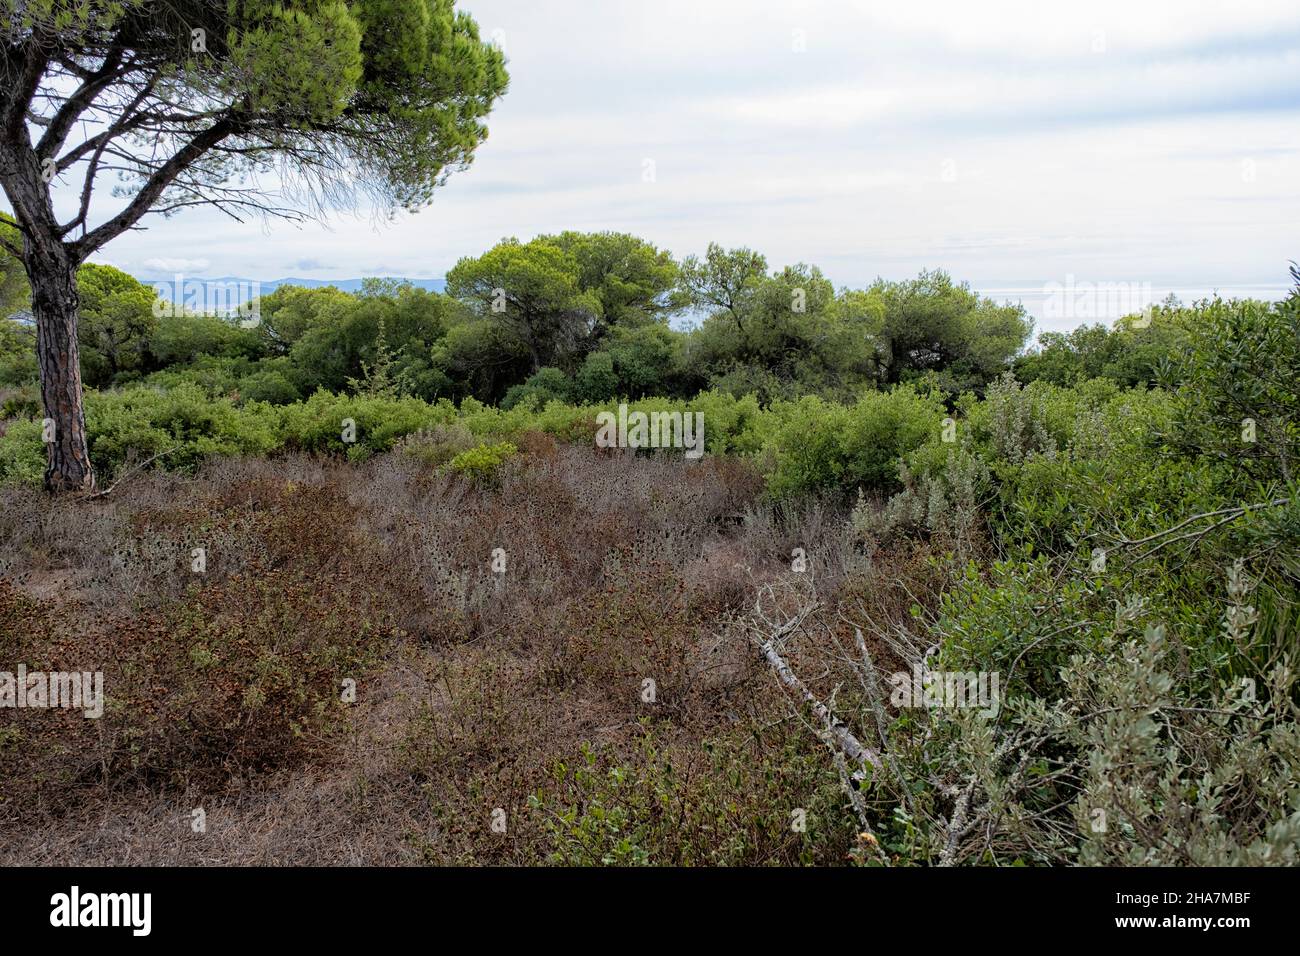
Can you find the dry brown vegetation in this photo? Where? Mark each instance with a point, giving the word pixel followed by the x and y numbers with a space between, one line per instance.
pixel 523 691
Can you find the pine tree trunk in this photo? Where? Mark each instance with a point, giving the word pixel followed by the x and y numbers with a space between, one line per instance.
pixel 55 303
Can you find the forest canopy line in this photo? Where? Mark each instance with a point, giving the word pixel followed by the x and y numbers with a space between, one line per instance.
pixel 582 317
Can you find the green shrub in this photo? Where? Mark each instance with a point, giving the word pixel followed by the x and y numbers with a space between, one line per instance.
pixel 482 463
pixel 815 445
pixel 1116 742
pixel 22 453
pixel 596 380
pixel 319 423
pixel 545 385
pixel 139 422
pixel 1237 396
pixel 437 446
pixel 17 353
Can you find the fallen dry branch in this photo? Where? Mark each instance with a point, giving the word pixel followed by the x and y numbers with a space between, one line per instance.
pixel 834 731
pixel 96 495
pixel 845 747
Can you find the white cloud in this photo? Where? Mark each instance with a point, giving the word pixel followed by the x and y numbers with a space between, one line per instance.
pixel 1036 29
pixel 176 265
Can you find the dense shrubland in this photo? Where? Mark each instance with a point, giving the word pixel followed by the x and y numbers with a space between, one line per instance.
pixel 1108 522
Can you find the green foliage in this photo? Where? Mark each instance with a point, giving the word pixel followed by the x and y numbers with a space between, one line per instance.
pixel 805 446
pixel 1114 744
pixel 574 317
pixel 725 282
pixel 17 353
pixel 631 281
pixel 596 381
pixel 1238 397
pixel 932 325
pixel 272 381
pixel 731 424
pixel 114 326
pixel 482 464
pixel 14 292
pixel 290 311
pixel 481 359
pixel 645 360
pixel 544 385
pixel 786 335
pixel 303 63
pixel 379 380
pixel 818 446
pixel 532 290
pixel 137 423
pixel 1130 353
pixel 183 422
pixel 780 339
pixel 403 86
pixel 606 830
pixel 22 453
pixel 331 338
pixel 319 423
pixel 182 337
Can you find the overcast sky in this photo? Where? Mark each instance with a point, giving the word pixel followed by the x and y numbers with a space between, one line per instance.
pixel 1019 142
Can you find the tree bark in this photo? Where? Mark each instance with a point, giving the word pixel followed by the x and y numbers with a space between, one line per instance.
pixel 51 268
pixel 534 354
pixel 52 275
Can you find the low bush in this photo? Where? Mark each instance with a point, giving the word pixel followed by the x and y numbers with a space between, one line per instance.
pixel 482 463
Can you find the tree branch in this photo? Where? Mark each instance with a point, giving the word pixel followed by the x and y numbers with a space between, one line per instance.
pixel 835 732
pixel 157 183
pixel 31 69
pixel 93 169
pixel 63 121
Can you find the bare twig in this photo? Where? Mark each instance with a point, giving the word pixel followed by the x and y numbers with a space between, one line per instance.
pixel 138 468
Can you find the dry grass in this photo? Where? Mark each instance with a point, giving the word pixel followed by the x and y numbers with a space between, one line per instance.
pixel 475 690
